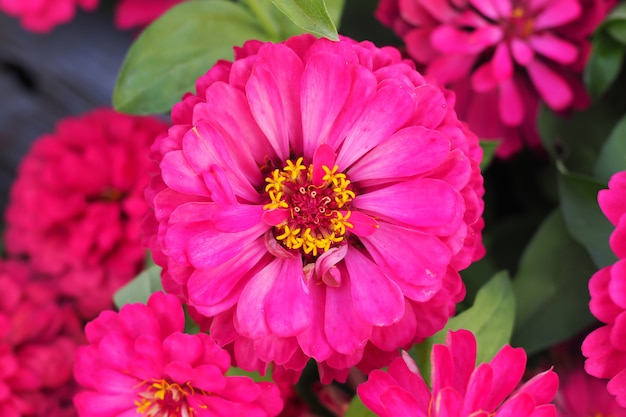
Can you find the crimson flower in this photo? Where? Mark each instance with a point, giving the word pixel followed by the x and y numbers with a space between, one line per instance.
pixel 459 388
pixel 140 13
pixel 581 395
pixel 317 199
pixel 76 205
pixel 139 362
pixel 42 16
pixel 604 347
pixel 501 57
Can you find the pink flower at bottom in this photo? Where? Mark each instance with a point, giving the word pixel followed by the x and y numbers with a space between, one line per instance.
pixel 139 13
pixel 459 388
pixel 42 16
pixel 581 395
pixel 139 362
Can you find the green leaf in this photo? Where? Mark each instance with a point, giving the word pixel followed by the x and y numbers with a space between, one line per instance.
pixel 584 219
pixel 310 15
pixel 551 288
pixel 176 49
pixel 489 150
pixel 617 29
pixel 257 377
pixel 604 64
pixel 140 288
pixel 613 154
pixel 358 409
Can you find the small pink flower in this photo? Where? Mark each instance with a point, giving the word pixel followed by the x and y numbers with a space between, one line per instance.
pixel 605 347
pixel 581 395
pixel 89 176
pixel 317 199
pixel 459 388
pixel 42 16
pixel 140 13
pixel 501 57
pixel 139 362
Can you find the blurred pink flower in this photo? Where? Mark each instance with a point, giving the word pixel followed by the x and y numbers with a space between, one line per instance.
pixel 139 361
pixel 605 347
pixel 459 388
pixel 501 57
pixel 317 199
pixel 140 13
pixel 42 16
pixel 581 395
pixel 76 205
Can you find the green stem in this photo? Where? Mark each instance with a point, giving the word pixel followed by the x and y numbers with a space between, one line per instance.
pixel 264 18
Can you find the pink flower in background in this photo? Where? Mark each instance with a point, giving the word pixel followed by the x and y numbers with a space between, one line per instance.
pixel 605 347
pixel 139 362
pixel 316 199
pixel 139 13
pixel 76 205
pixel 501 57
pixel 42 16
pixel 459 388
pixel 581 395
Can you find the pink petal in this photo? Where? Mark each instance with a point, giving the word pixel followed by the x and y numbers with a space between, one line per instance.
pixel 418 45
pixel 617 283
pixel 552 87
pixel 313 341
pixel 376 298
pixel 520 405
pixel 450 68
pixel 542 387
pixel 363 225
pixel 557 13
pixel 487 8
pixel 451 40
pixel 180 176
pixel 554 48
pixel 462 346
pixel 250 314
pixel 508 368
pixel 522 52
pixel 408 152
pixel 288 306
pixel 511 106
pixel 324 156
pixel 398 402
pixel 326 265
pixel 448 404
pixel 480 383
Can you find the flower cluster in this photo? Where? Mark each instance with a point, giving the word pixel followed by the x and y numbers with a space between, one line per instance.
pixel 459 388
pixel 501 57
pixel 604 347
pixel 316 199
pixel 139 362
pixel 89 176
pixel 43 15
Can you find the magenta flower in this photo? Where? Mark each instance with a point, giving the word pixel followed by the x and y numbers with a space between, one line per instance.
pixel 317 199
pixel 42 16
pixel 459 388
pixel 139 362
pixel 501 57
pixel 604 347
pixel 89 176
pixel 581 395
pixel 140 13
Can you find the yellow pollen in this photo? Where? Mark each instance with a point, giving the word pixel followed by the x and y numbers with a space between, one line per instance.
pixel 517 13
pixel 163 399
pixel 295 169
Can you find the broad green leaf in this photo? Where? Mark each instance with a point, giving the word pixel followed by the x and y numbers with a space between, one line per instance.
pixel 489 150
pixel 169 55
pixel 613 154
pixel 311 15
pixel 358 409
pixel 605 62
pixel 584 219
pixel 140 288
pixel 551 288
pixel 617 29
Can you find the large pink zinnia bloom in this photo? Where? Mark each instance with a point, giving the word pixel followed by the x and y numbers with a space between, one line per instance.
pixel 581 395
pixel 501 57
pixel 42 16
pixel 139 362
pixel 76 205
pixel 139 13
pixel 605 348
pixel 459 388
pixel 317 199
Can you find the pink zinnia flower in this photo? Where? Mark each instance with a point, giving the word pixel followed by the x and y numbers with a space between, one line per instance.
pixel 317 199
pixel 139 13
pixel 581 395
pixel 501 57
pixel 76 205
pixel 42 16
pixel 605 348
pixel 139 362
pixel 459 388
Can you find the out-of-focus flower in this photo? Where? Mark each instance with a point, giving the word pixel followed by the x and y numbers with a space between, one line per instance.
pixel 140 13
pixel 581 395
pixel 459 388
pixel 317 199
pixel 42 16
pixel 139 362
pixel 501 57
pixel 76 205
pixel 605 347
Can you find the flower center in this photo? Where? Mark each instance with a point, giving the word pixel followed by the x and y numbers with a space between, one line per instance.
pixel 318 213
pixel 163 399
pixel 521 23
